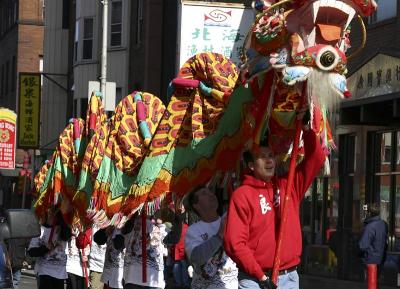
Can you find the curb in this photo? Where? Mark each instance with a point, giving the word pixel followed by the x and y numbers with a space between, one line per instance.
pixel 29 273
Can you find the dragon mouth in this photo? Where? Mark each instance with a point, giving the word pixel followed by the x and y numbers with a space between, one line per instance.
pixel 323 22
pixel 330 19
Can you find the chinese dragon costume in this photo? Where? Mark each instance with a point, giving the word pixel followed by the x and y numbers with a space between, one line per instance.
pixel 104 170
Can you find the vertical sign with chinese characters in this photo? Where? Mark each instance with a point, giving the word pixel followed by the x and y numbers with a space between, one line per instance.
pixel 213 27
pixel 8 128
pixel 29 110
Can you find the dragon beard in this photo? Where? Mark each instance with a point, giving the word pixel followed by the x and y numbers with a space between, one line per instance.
pixel 322 92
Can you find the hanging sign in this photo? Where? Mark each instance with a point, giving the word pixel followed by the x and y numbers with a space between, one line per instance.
pixel 29 110
pixel 213 27
pixel 7 138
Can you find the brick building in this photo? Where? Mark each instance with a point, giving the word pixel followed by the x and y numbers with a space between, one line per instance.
pixel 21 44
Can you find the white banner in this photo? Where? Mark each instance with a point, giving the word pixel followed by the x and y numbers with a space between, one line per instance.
pixel 214 27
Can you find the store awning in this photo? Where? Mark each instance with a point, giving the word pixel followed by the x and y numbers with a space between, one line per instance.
pixel 9 173
pixel 382 110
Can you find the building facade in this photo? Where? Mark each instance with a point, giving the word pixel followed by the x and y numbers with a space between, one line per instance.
pixel 72 59
pixel 73 41
pixel 21 50
pixel 365 168
pixel 141 54
pixel 57 71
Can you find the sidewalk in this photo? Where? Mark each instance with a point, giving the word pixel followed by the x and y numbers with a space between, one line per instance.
pixel 313 282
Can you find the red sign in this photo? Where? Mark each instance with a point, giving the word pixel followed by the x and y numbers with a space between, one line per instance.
pixel 7 139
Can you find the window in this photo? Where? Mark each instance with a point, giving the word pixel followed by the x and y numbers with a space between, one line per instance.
pixel 6 77
pixel 9 18
pixel 2 81
pixel 76 39
pixel 1 21
pixel 84 107
pixel 9 10
pixel 13 73
pixel 387 9
pixel 65 14
pixel 16 11
pixel 118 95
pixel 75 108
pixel 116 23
pixel 386 151
pixel 87 38
pixel 43 10
pixel 139 23
pixel 3 18
pixel 41 69
pixel 383 187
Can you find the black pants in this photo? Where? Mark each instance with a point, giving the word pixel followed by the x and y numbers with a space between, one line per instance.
pixel 46 282
pixel 75 282
pixel 134 286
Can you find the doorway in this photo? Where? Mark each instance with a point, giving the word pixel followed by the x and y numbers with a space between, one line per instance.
pixel 384 184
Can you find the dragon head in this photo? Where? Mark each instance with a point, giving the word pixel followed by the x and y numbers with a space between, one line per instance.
pixel 326 21
pixel 363 7
pixel 317 22
pixel 307 29
pixel 301 45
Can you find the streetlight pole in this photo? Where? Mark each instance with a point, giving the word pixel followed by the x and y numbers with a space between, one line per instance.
pixel 103 76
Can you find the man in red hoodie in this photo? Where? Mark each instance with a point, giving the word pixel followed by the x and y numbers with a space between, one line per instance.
pixel 254 212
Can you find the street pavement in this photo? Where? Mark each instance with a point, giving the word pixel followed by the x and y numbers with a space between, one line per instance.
pixel 27 282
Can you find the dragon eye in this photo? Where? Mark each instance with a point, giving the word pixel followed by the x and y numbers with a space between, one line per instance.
pixel 327 58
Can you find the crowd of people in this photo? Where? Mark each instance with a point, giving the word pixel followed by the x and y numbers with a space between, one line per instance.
pixel 235 250
pixel 102 258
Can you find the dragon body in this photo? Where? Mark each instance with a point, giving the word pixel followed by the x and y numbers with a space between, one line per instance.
pixel 104 170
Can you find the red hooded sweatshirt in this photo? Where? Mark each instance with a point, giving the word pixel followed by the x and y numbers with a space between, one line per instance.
pixel 253 216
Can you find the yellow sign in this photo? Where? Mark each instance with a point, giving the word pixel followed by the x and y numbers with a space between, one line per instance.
pixel 29 110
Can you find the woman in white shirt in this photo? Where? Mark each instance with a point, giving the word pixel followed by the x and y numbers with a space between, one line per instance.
pixel 133 278
pixel 96 261
pixel 77 272
pixel 114 260
pixel 49 248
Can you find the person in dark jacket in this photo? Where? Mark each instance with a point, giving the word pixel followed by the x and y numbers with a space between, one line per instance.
pixel 373 241
pixel 17 250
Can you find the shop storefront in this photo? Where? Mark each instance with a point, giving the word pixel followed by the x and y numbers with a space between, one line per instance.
pixel 14 182
pixel 364 169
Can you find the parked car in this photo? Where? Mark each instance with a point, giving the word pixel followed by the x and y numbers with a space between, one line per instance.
pixel 18 223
